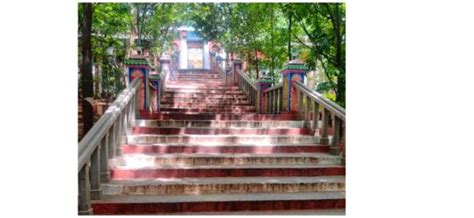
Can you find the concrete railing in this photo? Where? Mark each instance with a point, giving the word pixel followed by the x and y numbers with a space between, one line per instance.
pixel 247 86
pixel 310 102
pixel 103 142
pixel 273 98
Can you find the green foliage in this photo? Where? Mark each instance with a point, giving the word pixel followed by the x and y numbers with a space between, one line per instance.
pixel 156 24
pixel 256 32
pixel 321 30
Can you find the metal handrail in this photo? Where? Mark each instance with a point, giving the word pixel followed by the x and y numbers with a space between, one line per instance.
pixel 326 103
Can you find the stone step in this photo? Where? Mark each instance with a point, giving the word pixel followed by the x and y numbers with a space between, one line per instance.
pixel 166 115
pixel 207 91
pixel 203 97
pixel 198 75
pixel 178 83
pixel 276 170
pixel 196 79
pixel 175 85
pixel 219 124
pixel 324 212
pixel 219 131
pixel 213 107
pixel 216 185
pixel 221 139
pixel 202 103
pixel 151 204
pixel 234 109
pixel 221 149
pixel 195 72
pixel 164 160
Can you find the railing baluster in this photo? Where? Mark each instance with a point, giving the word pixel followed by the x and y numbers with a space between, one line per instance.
pixel 267 101
pixel 271 99
pixel 96 190
pixel 84 191
pixel 104 159
pixel 307 112
pixel 275 101
pixel 343 141
pixel 111 141
pixel 300 104
pixel 280 106
pixel 315 117
pixel 118 142
pixel 125 129
pixel 324 131
pixel 335 136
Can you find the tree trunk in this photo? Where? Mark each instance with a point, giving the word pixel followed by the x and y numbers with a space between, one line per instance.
pixel 341 89
pixel 86 70
pixel 256 62
pixel 289 39
pixel 341 77
pixel 272 65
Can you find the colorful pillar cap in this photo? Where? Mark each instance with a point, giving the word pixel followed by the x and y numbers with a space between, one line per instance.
pixel 154 76
pixel 138 61
pixel 265 79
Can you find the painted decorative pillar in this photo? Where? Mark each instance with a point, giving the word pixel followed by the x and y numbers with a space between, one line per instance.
pixel 237 65
pixel 139 67
pixel 263 84
pixel 293 71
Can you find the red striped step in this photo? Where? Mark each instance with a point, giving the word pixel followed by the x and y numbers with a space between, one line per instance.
pixel 221 171
pixel 220 124
pixel 126 205
pixel 200 149
pixel 201 97
pixel 215 116
pixel 197 79
pixel 219 185
pixel 204 91
pixel 176 85
pixel 196 160
pixel 216 131
pixel 202 102
pixel 217 110
pixel 222 139
pixel 205 76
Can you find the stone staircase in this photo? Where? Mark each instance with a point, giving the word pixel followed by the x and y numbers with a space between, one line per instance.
pixel 209 152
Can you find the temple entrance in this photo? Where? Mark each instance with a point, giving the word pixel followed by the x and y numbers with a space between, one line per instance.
pixel 195 58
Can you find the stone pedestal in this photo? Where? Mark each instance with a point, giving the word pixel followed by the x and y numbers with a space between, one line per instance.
pixel 139 67
pixel 263 84
pixel 293 71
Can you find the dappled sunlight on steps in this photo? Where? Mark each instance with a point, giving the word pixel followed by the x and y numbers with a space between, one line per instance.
pixel 208 150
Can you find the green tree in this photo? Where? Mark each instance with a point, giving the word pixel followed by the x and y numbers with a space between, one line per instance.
pixel 323 28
